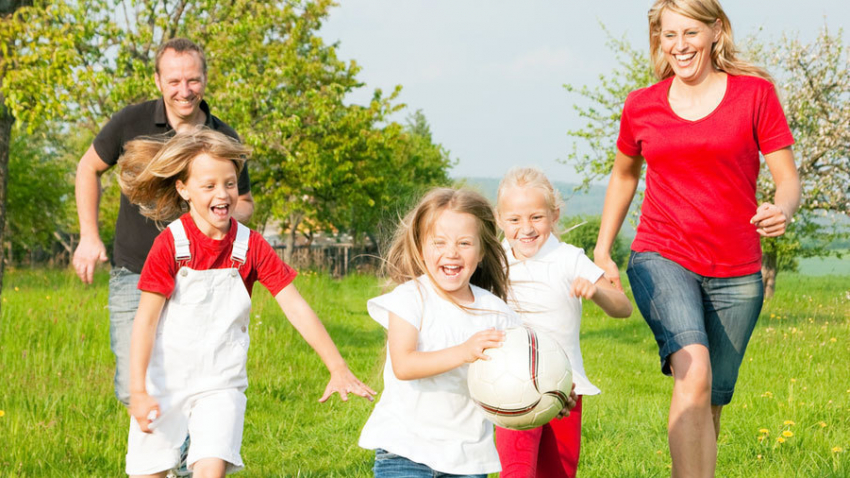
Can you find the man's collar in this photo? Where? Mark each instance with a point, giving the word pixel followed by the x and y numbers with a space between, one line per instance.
pixel 161 119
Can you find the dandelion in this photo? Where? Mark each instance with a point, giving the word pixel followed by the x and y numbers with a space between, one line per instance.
pixel 833 339
pixel 837 449
pixel 759 457
pixel 16 289
pixel 780 440
pixel 2 413
pixel 789 422
pixel 822 424
pixel 764 430
pixel 761 438
pixel 793 380
pixel 787 433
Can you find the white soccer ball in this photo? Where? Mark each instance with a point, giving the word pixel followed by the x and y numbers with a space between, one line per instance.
pixel 525 383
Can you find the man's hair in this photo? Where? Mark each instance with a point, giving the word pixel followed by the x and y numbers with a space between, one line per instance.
pixel 181 45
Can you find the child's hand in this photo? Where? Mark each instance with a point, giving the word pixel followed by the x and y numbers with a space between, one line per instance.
pixel 344 382
pixel 583 288
pixel 144 409
pixel 473 349
pixel 571 403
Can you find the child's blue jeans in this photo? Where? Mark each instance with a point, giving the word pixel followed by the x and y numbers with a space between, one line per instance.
pixel 390 465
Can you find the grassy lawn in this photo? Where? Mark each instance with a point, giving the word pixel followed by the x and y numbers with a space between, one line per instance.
pixel 59 417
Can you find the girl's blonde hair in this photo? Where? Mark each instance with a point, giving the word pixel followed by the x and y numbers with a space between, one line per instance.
pixel 531 178
pixel 151 167
pixel 723 52
pixel 404 260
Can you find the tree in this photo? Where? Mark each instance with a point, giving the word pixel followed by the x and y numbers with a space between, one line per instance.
pixel 814 86
pixel 582 231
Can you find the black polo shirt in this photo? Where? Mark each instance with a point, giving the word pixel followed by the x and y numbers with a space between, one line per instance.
pixel 134 233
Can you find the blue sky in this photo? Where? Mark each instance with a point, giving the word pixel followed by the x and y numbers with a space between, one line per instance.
pixel 489 74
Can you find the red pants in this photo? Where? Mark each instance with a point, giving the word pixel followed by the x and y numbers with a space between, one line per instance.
pixel 550 451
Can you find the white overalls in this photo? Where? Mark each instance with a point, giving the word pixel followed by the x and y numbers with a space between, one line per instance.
pixel 197 366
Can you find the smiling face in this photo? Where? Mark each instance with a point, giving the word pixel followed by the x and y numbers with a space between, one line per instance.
pixel 686 44
pixel 181 81
pixel 526 219
pixel 211 191
pixel 452 251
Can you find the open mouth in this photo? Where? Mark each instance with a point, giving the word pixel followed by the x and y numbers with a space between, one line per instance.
pixel 528 240
pixel 451 271
pixel 685 58
pixel 222 211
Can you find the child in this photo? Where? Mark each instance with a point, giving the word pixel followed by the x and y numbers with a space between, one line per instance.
pixel 190 335
pixel 547 279
pixel 447 309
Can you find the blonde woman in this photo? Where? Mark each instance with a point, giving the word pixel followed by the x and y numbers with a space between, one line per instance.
pixel 696 259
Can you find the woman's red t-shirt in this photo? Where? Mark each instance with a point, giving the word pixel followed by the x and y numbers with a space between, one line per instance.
pixel 261 264
pixel 701 175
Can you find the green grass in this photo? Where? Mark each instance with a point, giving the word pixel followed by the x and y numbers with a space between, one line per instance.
pixel 60 418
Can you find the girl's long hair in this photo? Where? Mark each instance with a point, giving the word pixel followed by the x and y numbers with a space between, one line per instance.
pixel 151 167
pixel 724 55
pixel 404 259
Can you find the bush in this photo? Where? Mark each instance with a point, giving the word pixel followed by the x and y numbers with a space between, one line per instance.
pixel 584 236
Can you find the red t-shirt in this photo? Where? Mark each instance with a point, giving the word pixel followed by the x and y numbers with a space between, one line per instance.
pixel 701 175
pixel 261 264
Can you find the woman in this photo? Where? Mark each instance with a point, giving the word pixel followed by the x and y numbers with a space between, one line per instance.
pixel 696 259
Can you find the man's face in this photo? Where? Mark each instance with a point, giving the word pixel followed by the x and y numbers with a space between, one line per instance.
pixel 181 81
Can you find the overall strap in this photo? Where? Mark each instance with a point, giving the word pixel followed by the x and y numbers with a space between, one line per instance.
pixel 181 242
pixel 240 244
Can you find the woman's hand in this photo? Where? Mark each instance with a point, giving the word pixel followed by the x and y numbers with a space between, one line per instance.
pixel 473 349
pixel 612 272
pixel 144 409
pixel 770 220
pixel 344 382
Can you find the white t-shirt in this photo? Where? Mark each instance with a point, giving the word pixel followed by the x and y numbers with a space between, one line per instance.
pixel 432 420
pixel 540 293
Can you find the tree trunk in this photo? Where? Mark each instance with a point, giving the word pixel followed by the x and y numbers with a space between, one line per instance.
pixel 768 273
pixel 289 251
pixel 6 121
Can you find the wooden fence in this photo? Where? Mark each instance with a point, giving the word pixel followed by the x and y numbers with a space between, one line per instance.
pixel 336 259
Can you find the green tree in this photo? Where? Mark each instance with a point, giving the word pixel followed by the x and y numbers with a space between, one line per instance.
pixel 813 84
pixel 582 231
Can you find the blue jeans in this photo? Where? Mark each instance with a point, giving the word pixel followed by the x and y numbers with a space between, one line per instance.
pixel 390 465
pixel 124 298
pixel 684 308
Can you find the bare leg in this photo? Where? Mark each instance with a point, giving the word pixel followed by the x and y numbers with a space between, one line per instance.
pixel 690 429
pixel 154 475
pixel 209 468
pixel 715 415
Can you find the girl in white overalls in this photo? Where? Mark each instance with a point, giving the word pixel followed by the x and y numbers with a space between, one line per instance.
pixel 190 335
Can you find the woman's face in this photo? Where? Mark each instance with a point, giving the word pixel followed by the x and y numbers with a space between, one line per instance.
pixel 686 45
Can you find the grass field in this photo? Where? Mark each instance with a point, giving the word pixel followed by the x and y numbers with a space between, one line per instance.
pixel 59 417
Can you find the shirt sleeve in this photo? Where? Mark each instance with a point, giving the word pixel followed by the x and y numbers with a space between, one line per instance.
pixel 160 267
pixel 577 264
pixel 772 131
pixel 108 142
pixel 405 302
pixel 270 270
pixel 626 142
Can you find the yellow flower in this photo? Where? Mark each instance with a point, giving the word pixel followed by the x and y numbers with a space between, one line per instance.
pixel 789 422
pixel 822 424
pixel 16 289
pixel 764 430
pixel 837 449
pixel 780 440
pixel 833 339
pixel 759 457
pixel 2 413
pixel 787 433
pixel 761 438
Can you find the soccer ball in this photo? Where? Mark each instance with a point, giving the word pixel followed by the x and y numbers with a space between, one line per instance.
pixel 525 383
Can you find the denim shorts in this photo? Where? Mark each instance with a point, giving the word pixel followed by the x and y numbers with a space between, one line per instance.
pixel 390 465
pixel 684 308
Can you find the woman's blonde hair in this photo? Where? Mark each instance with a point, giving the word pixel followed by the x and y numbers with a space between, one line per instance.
pixel 404 260
pixel 151 167
pixel 724 55
pixel 531 178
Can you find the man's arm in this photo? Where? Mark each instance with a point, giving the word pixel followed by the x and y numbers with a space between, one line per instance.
pixel 244 208
pixel 91 250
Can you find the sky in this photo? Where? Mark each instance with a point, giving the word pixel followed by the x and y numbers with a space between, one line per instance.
pixel 489 74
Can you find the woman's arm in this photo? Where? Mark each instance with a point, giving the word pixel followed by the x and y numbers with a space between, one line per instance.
pixel 301 316
pixel 141 344
pixel 411 364
pixel 771 219
pixel 625 175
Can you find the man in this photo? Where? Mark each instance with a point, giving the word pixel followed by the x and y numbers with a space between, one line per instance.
pixel 181 77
